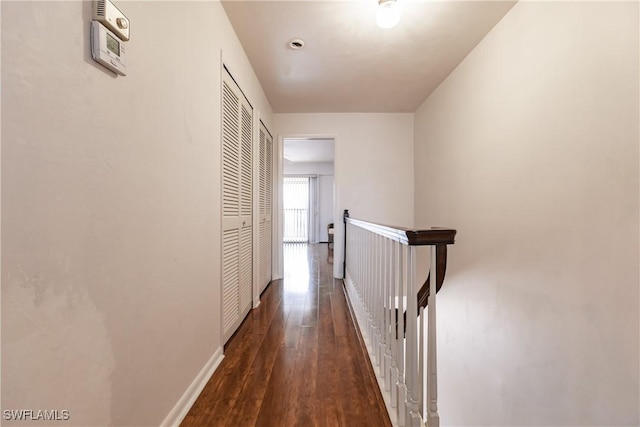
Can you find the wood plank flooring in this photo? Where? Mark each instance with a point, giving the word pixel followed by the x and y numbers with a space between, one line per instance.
pixel 296 360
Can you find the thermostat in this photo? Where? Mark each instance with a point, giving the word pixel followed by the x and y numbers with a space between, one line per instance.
pixel 107 49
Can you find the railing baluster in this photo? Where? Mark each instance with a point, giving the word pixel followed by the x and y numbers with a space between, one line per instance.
pixel 379 305
pixel 394 326
pixel 374 301
pixel 402 385
pixel 433 419
pixel 363 278
pixel 370 291
pixel 366 285
pixel 412 414
pixel 388 288
pixel 421 323
pixel 359 284
pixel 361 270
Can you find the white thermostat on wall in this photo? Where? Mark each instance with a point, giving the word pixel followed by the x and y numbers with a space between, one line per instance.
pixel 107 49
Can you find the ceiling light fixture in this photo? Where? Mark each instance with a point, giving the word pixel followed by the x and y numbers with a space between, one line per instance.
pixel 388 14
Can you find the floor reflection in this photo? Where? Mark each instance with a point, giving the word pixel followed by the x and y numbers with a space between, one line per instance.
pixel 296 360
pixel 297 267
pixel 306 265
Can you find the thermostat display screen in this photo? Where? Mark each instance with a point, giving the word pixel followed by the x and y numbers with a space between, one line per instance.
pixel 107 49
pixel 113 45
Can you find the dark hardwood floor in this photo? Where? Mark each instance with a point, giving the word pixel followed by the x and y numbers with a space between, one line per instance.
pixel 296 360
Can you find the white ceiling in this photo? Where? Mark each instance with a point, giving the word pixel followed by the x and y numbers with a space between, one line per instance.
pixel 307 150
pixel 349 64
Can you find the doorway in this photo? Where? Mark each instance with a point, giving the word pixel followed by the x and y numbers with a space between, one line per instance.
pixel 311 158
pixel 308 189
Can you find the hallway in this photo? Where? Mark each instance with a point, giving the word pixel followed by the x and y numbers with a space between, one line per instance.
pixel 296 360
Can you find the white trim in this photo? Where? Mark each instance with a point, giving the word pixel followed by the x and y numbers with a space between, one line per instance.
pixel 220 139
pixel 352 295
pixel 186 401
pixel 255 224
pixel 277 262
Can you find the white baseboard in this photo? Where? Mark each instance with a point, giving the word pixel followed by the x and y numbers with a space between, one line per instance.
pixel 353 302
pixel 186 401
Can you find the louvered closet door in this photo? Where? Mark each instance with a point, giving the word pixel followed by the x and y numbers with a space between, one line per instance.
pixel 265 204
pixel 237 130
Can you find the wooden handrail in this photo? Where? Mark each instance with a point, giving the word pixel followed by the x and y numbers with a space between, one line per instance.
pixel 438 236
pixel 408 236
pixel 434 236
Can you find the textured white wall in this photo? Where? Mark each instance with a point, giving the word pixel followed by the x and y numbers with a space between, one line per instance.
pixel 373 164
pixel 110 208
pixel 530 149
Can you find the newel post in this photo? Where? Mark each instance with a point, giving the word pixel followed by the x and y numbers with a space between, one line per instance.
pixel 345 215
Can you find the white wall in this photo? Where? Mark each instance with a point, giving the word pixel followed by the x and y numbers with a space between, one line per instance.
pixel 373 164
pixel 530 149
pixel 111 208
pixel 323 211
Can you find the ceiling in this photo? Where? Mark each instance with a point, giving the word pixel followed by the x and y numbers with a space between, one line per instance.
pixel 348 63
pixel 307 150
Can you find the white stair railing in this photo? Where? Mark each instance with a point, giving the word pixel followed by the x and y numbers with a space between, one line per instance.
pixel 381 283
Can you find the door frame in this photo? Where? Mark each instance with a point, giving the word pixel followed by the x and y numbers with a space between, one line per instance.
pixel 278 219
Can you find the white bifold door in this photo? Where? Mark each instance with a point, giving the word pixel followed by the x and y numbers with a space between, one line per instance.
pixel 265 205
pixel 237 205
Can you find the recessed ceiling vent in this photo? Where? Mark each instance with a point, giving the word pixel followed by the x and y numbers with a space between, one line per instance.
pixel 296 44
